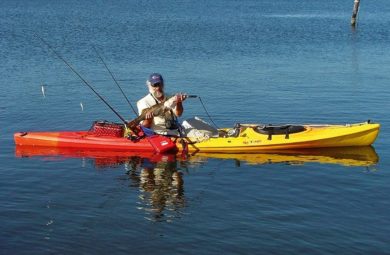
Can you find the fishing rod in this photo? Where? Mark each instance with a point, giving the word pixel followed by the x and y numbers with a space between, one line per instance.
pixel 98 95
pixel 116 82
pixel 85 82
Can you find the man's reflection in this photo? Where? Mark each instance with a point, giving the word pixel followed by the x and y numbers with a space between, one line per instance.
pixel 160 184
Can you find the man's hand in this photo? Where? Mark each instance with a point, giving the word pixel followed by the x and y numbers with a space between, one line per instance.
pixel 180 97
pixel 149 115
pixel 175 101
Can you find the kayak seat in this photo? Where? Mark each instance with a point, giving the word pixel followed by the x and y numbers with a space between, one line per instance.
pixel 271 130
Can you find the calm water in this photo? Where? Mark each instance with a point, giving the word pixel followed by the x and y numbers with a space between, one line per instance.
pixel 269 61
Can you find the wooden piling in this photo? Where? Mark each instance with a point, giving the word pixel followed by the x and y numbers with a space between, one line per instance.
pixel 355 12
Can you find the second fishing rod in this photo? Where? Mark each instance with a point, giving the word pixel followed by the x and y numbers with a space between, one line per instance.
pixel 82 79
pixel 90 86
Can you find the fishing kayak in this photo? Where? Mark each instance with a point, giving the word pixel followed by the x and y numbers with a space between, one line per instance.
pixel 256 138
pixel 241 138
pixel 101 136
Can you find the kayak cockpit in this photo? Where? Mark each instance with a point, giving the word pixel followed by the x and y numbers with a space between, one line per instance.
pixel 268 130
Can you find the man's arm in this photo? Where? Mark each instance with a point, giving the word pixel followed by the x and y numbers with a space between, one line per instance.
pixel 179 104
pixel 147 122
pixel 179 109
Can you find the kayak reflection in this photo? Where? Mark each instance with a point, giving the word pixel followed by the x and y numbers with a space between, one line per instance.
pixel 156 176
pixel 159 177
pixel 346 156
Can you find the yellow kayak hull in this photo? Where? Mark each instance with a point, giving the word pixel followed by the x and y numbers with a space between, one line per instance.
pixel 314 136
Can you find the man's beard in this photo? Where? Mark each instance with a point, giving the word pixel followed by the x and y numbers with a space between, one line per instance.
pixel 158 94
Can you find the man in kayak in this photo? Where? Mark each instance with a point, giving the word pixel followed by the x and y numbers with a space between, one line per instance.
pixel 165 123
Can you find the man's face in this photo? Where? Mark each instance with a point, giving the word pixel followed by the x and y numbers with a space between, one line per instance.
pixel 157 90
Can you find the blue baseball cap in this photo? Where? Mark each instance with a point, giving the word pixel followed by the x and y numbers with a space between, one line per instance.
pixel 155 78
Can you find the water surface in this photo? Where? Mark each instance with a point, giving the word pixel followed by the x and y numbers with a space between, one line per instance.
pixel 251 62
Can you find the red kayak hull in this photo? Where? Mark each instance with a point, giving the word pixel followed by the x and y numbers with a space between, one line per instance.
pixel 86 140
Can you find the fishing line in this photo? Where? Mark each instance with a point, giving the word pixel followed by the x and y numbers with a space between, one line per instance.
pixel 112 75
pixel 208 115
pixel 85 82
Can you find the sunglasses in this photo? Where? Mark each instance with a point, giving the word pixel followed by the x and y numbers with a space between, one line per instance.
pixel 158 84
